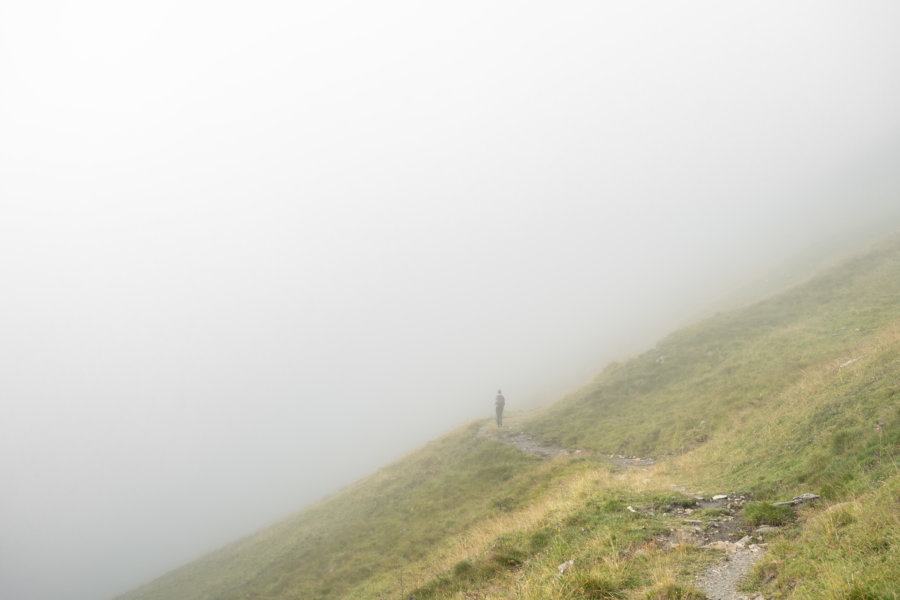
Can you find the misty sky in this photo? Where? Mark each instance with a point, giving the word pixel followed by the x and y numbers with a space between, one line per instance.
pixel 249 251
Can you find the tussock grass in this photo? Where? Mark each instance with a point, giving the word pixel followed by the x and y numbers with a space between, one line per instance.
pixel 764 513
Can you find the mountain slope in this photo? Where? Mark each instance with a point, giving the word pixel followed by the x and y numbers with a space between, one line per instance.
pixel 799 393
pixel 827 343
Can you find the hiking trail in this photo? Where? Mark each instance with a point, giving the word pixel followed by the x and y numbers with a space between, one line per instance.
pixel 719 581
pixel 529 445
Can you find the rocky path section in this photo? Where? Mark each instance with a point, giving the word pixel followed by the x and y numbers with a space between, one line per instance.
pixel 723 533
pixel 720 581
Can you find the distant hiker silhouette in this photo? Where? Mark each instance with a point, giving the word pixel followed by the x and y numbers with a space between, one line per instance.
pixel 499 403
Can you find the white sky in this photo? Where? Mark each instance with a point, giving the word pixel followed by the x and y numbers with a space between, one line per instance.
pixel 250 251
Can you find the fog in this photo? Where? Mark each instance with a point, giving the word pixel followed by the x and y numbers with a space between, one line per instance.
pixel 249 252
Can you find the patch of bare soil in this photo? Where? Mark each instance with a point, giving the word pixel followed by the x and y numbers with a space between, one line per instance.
pixel 529 445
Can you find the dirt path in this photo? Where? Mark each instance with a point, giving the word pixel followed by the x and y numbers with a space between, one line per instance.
pixel 718 582
pixel 521 440
pixel 527 444
pixel 725 533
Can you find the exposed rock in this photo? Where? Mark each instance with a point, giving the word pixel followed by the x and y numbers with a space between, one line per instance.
pixel 721 545
pixel 682 537
pixel 564 568
pixel 766 529
pixel 798 500
pixel 718 497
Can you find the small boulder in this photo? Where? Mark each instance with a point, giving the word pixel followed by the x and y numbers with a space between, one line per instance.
pixel 798 500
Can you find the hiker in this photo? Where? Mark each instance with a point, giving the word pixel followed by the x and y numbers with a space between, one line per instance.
pixel 499 403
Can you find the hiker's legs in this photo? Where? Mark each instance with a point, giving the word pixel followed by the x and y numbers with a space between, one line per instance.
pixel 499 417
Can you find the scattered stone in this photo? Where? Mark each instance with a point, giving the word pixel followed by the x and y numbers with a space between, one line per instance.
pixel 766 529
pixel 720 581
pixel 798 500
pixel 693 522
pixel 631 509
pixel 745 541
pixel 722 545
pixel 718 497
pixel 564 568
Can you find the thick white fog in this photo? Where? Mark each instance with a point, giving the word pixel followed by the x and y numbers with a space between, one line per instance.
pixel 250 251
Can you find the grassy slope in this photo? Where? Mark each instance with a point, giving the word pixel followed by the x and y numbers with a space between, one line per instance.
pixel 763 399
pixel 387 520
pixel 761 390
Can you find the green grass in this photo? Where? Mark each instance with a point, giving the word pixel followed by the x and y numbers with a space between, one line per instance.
pixel 672 591
pixel 765 513
pixel 776 399
pixel 377 526
pixel 845 550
